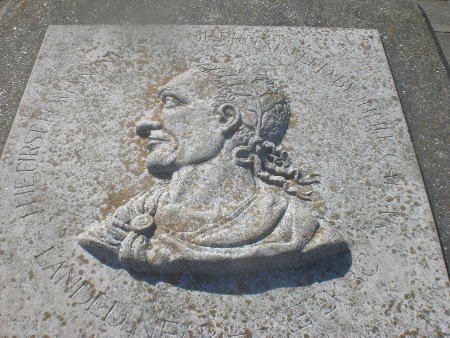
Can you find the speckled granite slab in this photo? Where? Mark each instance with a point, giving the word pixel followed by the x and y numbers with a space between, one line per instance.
pixel 282 185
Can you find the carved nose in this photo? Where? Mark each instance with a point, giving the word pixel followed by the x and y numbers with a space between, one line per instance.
pixel 144 129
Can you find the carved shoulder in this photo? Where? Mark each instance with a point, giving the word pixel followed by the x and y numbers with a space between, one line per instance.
pixel 299 221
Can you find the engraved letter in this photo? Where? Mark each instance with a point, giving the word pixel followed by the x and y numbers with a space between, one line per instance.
pixel 42 253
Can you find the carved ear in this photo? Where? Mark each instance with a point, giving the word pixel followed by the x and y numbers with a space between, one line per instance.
pixel 230 118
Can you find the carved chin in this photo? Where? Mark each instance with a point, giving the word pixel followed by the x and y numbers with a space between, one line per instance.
pixel 162 164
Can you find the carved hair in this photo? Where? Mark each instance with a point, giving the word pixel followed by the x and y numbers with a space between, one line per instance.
pixel 265 121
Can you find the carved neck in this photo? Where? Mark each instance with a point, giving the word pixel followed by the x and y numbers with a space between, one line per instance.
pixel 215 187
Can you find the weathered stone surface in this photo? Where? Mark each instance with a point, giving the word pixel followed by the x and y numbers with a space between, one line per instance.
pixel 73 158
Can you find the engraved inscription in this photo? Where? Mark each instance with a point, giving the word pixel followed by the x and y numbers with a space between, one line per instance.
pixel 28 157
pixel 299 54
pixel 393 182
pixel 136 321
pixel 82 292
pixel 27 161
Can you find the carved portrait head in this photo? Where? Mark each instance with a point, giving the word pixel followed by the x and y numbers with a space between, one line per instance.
pixel 211 108
pixel 217 134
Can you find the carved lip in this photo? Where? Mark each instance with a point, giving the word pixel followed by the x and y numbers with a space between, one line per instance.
pixel 163 139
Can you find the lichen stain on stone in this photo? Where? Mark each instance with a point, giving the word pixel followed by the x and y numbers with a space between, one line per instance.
pixel 115 199
pixel 410 295
pixel 47 315
pixel 140 147
pixel 366 47
pixel 293 121
pixel 320 207
pixel 289 148
pixel 410 333
pixel 439 333
pixel 131 166
pixel 61 319
pixel 334 188
pixel 144 57
pixel 83 259
pixel 389 307
pixel 335 216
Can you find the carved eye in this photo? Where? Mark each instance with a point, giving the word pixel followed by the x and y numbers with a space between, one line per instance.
pixel 171 101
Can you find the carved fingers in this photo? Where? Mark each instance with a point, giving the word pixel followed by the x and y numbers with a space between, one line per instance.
pixel 133 250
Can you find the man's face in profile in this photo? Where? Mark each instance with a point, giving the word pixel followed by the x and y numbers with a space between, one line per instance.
pixel 182 128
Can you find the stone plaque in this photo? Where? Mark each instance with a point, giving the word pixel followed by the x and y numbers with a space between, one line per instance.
pixel 200 181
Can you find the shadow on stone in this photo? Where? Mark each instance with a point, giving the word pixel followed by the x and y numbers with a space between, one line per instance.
pixel 319 265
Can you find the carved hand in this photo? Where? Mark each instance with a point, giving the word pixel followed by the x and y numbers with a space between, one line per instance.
pixel 133 249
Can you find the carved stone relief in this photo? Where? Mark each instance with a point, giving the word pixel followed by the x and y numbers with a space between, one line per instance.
pixel 173 152
pixel 232 200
